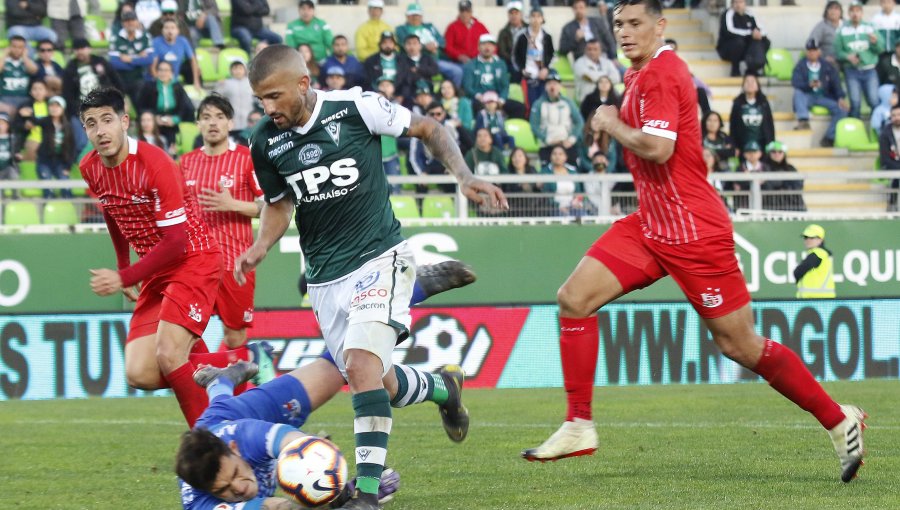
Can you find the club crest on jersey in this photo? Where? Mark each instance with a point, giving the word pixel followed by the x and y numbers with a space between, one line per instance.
pixel 367 281
pixel 310 154
pixel 711 298
pixel 334 131
pixel 195 313
pixel 226 181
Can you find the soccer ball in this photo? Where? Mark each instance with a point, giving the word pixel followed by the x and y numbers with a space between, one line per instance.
pixel 311 470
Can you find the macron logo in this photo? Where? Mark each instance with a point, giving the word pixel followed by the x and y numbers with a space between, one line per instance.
pixel 661 124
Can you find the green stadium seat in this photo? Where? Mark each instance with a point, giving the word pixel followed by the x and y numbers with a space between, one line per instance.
pixel 404 207
pixel 564 68
pixel 819 110
pixel 438 207
pixel 779 64
pixel 109 6
pixel 224 6
pixel 620 56
pixel 187 133
pixel 60 212
pixel 520 130
pixel 21 213
pixel 207 64
pixel 230 42
pixel 195 93
pixel 516 93
pixel 28 172
pixel 59 58
pixel 229 55
pixel 95 29
pixel 853 134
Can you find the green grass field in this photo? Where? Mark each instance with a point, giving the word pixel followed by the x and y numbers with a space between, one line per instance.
pixel 735 447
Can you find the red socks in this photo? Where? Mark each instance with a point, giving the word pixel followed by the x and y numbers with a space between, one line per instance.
pixel 221 358
pixel 579 344
pixel 191 397
pixel 787 374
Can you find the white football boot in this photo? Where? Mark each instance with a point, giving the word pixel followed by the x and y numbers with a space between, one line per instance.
pixel 847 437
pixel 573 439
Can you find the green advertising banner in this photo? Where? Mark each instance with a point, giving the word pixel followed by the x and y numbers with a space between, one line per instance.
pixel 515 264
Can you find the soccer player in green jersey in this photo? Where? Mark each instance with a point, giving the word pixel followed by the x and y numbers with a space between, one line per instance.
pixel 320 153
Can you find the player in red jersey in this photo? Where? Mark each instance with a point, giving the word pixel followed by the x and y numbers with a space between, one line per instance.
pixel 146 206
pixel 681 229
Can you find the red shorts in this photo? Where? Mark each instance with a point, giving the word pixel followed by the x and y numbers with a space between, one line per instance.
pixel 182 295
pixel 706 270
pixel 234 304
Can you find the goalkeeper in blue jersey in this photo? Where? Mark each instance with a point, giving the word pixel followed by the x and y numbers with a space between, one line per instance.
pixel 227 462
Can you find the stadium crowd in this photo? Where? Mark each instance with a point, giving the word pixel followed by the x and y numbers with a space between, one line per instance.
pixel 520 88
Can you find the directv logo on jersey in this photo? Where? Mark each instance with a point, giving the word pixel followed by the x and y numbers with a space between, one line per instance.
pixel 276 139
pixel 711 299
pixel 337 116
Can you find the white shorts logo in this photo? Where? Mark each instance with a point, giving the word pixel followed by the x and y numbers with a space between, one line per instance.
pixel 711 298
pixel 195 313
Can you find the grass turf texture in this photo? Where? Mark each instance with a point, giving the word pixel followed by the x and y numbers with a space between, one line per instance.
pixel 730 446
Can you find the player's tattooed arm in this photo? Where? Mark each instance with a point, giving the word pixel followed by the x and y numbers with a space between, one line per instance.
pixel 441 144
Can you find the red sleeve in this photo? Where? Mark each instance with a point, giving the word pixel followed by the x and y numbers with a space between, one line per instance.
pixel 451 44
pixel 167 189
pixel 659 104
pixel 166 251
pixel 120 244
pixel 252 181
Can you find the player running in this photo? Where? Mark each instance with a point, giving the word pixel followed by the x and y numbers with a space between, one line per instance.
pixel 146 207
pixel 320 152
pixel 681 229
pixel 227 462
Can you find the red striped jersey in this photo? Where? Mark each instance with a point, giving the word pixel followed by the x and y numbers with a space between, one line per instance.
pixel 232 170
pixel 144 193
pixel 676 203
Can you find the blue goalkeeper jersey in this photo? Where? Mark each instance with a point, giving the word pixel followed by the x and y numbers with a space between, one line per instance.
pixel 258 442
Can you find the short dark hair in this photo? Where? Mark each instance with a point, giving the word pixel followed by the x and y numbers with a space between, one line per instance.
pixel 199 458
pixel 573 2
pixel 651 6
pixel 433 105
pixel 166 21
pixel 269 60
pixel 895 107
pixel 17 37
pixel 217 101
pixel 46 41
pixel 103 96
pixel 339 36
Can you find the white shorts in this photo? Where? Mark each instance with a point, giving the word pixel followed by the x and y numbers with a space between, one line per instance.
pixel 379 291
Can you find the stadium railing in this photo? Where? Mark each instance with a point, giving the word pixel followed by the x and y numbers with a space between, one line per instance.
pixel 600 201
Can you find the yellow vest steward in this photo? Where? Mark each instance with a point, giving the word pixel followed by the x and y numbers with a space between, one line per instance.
pixel 818 282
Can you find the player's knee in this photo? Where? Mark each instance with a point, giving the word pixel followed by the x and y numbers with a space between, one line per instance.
pixel 143 379
pixel 737 348
pixel 169 356
pixel 572 304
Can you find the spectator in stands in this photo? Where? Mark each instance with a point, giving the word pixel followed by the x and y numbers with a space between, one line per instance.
pixel 605 16
pixel 416 67
pixel 485 158
pixel 889 67
pixel 236 89
pixel 825 31
pixel 116 24
pixel 741 39
pixel 421 161
pixel 169 10
pixel 463 35
pixel 48 70
pixel 703 92
pixel 515 24
pixel 751 117
pixel 168 101
pixel 147 12
pixel 716 140
pixel 779 197
pixel 421 98
pixel 25 124
pixel 25 19
pixel 817 83
pixel 9 167
pixel 522 206
pixel 310 30
pixel 593 190
pixel 131 55
pixel 881 114
pixel 713 165
pixel 604 93
pixel 458 108
pixel 247 23
pixel 485 72
pixel 565 196
pixel 887 23
pixel 555 121
pixel 752 163
pixel 175 49
pixel 252 120
pixel 432 40
pixel 148 131
pixel 84 73
pixel 67 19
pixel 341 57
pixel 532 54
pixel 56 154
pixel 590 67
pixel 858 45
pixel 384 63
pixel 889 152
pixel 368 35
pixel 16 69
pixel 390 156
pixel 335 79
pixel 491 118
pixel 312 64
pixel 204 20
pixel 577 33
